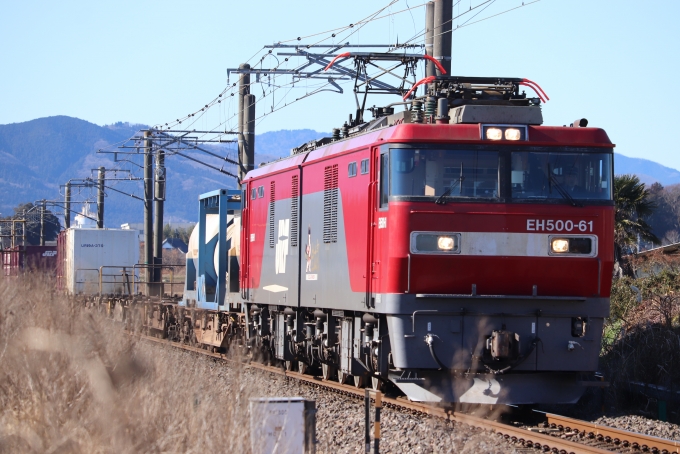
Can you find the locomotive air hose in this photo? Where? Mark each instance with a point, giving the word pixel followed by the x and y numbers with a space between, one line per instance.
pixel 429 340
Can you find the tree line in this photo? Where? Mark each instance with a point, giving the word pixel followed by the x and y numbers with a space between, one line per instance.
pixel 650 216
pixel 178 232
pixel 31 214
pixel 52 226
pixel 645 216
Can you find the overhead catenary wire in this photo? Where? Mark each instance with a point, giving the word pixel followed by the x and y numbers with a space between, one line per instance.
pixel 422 34
pixel 273 84
pixel 370 18
pixel 362 22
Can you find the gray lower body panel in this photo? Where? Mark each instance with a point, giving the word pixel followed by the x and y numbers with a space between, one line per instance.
pixel 526 388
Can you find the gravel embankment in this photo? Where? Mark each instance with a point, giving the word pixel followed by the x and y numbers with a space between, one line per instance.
pixel 642 425
pixel 340 422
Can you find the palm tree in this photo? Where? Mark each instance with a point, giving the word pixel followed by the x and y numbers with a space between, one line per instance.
pixel 633 206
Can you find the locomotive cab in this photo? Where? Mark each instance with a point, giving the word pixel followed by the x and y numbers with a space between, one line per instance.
pixel 504 267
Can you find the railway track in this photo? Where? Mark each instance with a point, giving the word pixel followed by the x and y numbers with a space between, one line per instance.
pixel 557 434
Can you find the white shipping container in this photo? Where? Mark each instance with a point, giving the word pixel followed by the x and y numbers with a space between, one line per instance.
pixel 87 250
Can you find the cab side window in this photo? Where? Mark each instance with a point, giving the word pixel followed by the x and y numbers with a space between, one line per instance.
pixel 384 179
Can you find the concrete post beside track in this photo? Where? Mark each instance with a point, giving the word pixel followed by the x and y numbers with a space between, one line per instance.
pixel 101 176
pixel 148 205
pixel 429 37
pixel 42 223
pixel 443 14
pixel 159 198
pixel 67 206
pixel 243 91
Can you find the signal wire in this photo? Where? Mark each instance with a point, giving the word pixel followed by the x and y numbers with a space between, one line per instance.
pixel 466 24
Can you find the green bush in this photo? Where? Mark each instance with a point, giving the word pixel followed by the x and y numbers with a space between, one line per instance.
pixel 641 338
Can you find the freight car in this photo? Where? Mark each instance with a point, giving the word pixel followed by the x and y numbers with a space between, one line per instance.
pixel 95 261
pixel 18 259
pixel 459 250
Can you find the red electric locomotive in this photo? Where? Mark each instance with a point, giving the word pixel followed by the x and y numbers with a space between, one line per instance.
pixel 458 249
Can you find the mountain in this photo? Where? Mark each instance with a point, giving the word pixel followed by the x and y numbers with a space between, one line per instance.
pixel 39 156
pixel 648 171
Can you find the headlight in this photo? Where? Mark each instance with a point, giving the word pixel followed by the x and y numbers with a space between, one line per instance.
pixel 445 243
pixel 580 245
pixel 513 134
pixel 435 243
pixel 559 245
pixel 494 134
pixel 504 132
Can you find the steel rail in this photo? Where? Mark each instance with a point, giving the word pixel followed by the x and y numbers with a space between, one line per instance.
pixel 512 434
pixel 619 437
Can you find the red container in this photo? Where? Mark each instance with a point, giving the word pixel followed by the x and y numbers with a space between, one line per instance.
pixel 29 258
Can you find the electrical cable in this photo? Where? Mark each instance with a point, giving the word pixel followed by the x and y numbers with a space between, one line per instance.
pixel 350 30
pixel 368 19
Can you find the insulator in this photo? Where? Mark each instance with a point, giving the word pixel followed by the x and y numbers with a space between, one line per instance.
pixel 345 130
pixel 430 109
pixel 442 111
pixel 416 111
pixel 336 133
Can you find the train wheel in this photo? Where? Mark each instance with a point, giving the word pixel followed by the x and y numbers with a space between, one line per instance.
pixel 266 358
pixel 359 381
pixel 343 377
pixel 377 384
pixel 327 371
pixel 302 367
pixel 288 365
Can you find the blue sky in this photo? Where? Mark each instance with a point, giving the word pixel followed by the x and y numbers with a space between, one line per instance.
pixel 152 62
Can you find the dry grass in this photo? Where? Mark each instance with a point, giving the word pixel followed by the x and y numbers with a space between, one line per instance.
pixel 72 381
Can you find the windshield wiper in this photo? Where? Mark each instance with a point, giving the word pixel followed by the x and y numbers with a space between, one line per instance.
pixel 440 200
pixel 564 193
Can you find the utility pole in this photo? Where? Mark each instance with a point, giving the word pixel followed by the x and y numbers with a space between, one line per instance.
pixel 443 15
pixel 429 37
pixel 159 198
pixel 100 197
pixel 42 223
pixel 246 124
pixel 148 207
pixel 67 205
pixel 249 133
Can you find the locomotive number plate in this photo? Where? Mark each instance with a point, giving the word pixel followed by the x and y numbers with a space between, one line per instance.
pixel 552 225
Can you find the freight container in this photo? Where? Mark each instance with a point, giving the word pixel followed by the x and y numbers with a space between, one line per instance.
pixel 84 253
pixel 18 259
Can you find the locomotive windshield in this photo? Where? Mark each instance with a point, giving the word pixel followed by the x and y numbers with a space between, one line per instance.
pixel 428 172
pixel 548 175
pixel 486 173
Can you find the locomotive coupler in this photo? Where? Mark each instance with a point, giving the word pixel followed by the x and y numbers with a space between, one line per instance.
pixel 503 345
